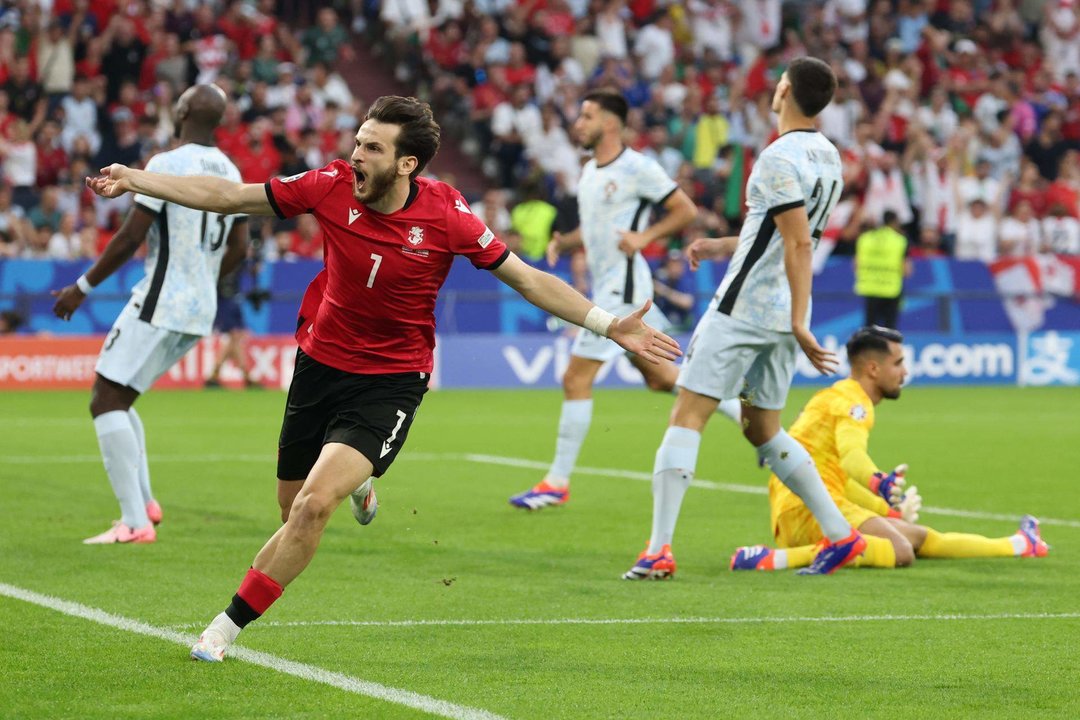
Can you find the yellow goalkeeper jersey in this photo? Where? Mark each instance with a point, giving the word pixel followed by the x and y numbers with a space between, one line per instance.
pixel 835 424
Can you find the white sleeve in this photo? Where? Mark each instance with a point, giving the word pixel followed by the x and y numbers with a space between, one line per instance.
pixel 158 164
pixel 653 183
pixel 779 182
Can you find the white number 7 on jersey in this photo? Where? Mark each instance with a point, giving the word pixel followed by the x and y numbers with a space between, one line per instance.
pixel 374 270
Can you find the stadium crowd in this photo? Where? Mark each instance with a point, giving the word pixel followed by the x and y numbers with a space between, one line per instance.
pixel 962 117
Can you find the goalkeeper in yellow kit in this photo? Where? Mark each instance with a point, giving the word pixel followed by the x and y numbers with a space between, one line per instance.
pixel 835 427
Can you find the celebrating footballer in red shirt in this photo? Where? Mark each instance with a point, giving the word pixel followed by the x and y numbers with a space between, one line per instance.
pixel 366 327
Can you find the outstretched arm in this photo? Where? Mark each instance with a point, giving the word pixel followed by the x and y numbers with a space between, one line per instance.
pixel 552 295
pixel 120 249
pixel 201 192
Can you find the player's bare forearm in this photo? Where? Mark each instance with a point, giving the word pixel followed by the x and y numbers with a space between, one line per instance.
pixel 681 211
pixel 236 248
pixel 794 227
pixel 551 294
pixel 544 290
pixel 121 248
pixel 201 192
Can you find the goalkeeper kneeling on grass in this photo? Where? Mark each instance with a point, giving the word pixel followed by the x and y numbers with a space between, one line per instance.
pixel 835 427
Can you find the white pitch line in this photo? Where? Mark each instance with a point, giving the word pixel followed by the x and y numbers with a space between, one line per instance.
pixel 524 464
pixel 662 621
pixel 303 671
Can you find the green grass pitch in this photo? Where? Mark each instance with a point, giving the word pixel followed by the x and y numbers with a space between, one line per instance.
pixel 943 639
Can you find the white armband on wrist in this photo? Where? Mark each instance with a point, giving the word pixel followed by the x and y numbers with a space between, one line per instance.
pixel 599 321
pixel 84 285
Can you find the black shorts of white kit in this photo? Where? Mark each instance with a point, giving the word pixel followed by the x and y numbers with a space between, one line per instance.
pixel 371 413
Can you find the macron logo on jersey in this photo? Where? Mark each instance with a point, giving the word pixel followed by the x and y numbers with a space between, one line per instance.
pixel 329 173
pixel 462 207
pixel 353 215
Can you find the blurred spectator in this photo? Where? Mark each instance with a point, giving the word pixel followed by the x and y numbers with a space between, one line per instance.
pixel 976 230
pixel 929 244
pixel 47 211
pixel 658 149
pixel 655 47
pixel 327 39
pixel 10 321
pixel 19 156
pixel 1065 190
pixel 56 59
pixel 1030 188
pixel 1060 232
pixel 65 244
pixel 886 191
pixel 80 116
pixel 37 246
pixel 123 60
pixel 1046 149
pixel 306 241
pixel 674 288
pixel 51 158
pixel 511 123
pixel 493 211
pixel 1019 233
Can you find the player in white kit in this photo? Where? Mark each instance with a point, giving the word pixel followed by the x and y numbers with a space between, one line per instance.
pixel 746 343
pixel 616 193
pixel 170 308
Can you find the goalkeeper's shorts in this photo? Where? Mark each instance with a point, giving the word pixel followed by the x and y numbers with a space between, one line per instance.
pixel 796 526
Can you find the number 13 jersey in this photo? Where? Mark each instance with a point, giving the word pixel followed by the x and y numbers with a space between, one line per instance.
pixel 800 168
pixel 185 247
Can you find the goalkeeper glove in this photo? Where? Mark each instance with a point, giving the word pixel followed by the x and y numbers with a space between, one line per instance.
pixel 910 504
pixel 890 487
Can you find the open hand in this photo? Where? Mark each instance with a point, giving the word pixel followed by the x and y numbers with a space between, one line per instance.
pixel 824 361
pixel 112 182
pixel 633 334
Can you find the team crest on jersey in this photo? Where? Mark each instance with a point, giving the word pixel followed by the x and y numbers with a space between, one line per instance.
pixel 858 411
pixel 297 176
pixel 461 206
pixel 610 189
pixel 416 235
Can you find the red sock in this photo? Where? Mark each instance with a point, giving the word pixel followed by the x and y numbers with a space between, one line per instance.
pixel 259 590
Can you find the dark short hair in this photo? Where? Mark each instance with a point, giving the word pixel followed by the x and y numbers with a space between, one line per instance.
pixel 610 100
pixel 812 84
pixel 419 134
pixel 872 338
pixel 890 217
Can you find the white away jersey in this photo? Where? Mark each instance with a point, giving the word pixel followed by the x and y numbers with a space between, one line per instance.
pixel 613 197
pixel 801 167
pixel 179 291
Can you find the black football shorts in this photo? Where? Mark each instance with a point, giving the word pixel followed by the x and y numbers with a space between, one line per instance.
pixel 371 413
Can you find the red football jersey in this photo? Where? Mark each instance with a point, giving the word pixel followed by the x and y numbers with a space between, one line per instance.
pixel 372 308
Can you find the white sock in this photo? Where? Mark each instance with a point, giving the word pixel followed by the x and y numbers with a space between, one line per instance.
pixel 732 410
pixel 780 560
pixel 574 421
pixel 673 471
pixel 1019 543
pixel 224 624
pixel 120 454
pixel 144 465
pixel 793 465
